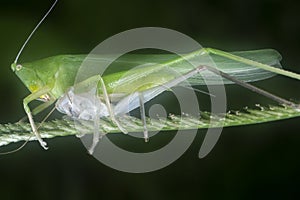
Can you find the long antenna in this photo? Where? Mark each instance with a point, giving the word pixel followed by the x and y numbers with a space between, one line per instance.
pixel 33 31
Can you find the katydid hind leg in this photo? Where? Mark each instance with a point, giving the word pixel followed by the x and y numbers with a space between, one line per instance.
pixel 251 62
pixel 253 88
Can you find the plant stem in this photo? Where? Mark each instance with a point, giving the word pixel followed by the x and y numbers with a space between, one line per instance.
pixel 16 132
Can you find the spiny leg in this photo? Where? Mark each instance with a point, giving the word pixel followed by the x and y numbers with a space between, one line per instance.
pixel 26 101
pixel 253 88
pixel 143 116
pixel 198 70
pixel 231 78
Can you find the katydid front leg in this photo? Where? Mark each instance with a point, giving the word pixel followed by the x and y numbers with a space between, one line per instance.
pixel 26 101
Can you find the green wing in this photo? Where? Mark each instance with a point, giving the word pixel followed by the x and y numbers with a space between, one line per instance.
pixel 156 67
pixel 237 69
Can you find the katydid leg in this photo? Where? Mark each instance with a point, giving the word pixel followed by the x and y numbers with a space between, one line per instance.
pixel 38 109
pixel 26 101
pixel 250 62
pixel 143 116
pixel 109 107
pixel 96 134
pixel 42 107
pixel 253 88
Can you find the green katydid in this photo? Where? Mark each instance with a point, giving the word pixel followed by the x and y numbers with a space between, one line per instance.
pixel 52 78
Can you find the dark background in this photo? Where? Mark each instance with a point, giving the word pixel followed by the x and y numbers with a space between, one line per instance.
pixel 257 161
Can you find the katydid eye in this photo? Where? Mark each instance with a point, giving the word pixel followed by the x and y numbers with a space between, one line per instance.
pixel 19 67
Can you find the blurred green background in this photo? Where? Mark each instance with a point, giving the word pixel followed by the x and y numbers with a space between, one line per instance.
pixel 257 161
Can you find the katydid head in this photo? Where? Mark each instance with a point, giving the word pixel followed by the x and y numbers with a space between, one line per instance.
pixel 28 76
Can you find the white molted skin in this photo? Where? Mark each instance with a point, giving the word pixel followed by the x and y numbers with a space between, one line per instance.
pixel 84 106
